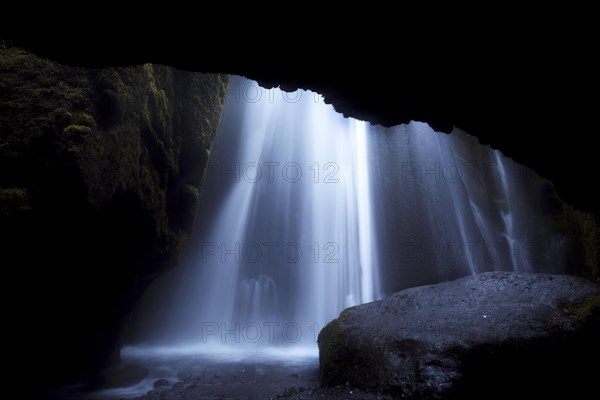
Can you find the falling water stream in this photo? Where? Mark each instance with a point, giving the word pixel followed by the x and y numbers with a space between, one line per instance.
pixel 304 213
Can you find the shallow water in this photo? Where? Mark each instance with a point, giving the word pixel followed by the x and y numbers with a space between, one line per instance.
pixel 201 373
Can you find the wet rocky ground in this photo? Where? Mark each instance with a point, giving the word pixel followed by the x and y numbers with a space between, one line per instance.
pixel 205 379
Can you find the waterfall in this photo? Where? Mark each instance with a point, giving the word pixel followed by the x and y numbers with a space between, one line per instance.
pixel 286 236
pixel 305 212
pixel 446 206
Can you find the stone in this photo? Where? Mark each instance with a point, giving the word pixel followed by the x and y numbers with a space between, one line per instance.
pixel 486 336
pixel 160 383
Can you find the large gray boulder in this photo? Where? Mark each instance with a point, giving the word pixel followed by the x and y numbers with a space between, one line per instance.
pixel 492 335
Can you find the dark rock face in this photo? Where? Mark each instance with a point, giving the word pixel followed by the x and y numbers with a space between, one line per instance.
pixel 119 376
pixel 584 238
pixel 486 336
pixel 473 65
pixel 100 175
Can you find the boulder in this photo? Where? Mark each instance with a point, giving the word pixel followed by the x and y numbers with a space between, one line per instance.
pixel 493 335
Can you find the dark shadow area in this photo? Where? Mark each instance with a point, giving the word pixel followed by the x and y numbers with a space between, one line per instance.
pixel 498 70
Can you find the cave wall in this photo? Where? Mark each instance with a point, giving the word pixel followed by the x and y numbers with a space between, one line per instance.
pixel 584 242
pixel 501 70
pixel 100 176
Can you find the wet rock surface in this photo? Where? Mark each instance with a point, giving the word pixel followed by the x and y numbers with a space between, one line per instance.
pixel 492 335
pixel 239 380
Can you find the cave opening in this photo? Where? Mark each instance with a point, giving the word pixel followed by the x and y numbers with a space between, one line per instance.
pixel 304 213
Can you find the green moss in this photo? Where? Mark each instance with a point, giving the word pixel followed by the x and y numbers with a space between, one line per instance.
pixel 584 236
pixel 14 201
pixel 194 192
pixel 585 311
pixel 344 315
pixel 86 120
pixel 76 131
pixel 61 116
pixel 330 342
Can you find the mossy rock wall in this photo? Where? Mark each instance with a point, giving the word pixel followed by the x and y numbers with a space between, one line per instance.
pixel 584 243
pixel 100 174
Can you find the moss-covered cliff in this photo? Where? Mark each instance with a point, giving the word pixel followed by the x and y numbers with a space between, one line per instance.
pixel 584 242
pixel 100 174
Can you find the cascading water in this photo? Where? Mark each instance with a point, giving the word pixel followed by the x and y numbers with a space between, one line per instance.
pixel 291 240
pixel 448 206
pixel 292 243
pixel 305 212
